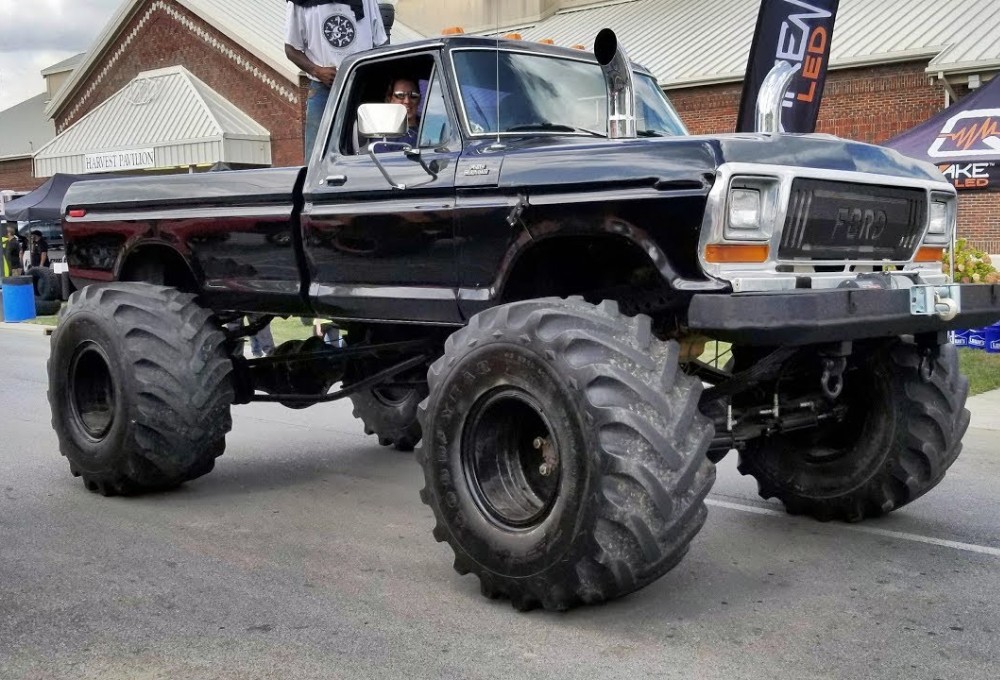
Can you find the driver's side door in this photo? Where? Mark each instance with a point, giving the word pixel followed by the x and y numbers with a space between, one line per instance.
pixel 375 251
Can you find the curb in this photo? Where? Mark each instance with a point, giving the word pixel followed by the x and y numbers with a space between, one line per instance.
pixel 985 410
pixel 24 327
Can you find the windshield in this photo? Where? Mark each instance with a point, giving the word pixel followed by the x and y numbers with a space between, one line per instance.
pixel 544 93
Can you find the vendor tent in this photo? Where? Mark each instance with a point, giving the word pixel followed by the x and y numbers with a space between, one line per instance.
pixel 45 202
pixel 963 140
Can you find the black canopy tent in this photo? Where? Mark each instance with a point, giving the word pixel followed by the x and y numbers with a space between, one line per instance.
pixel 45 202
pixel 963 140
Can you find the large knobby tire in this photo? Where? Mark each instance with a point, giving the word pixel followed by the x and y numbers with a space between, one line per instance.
pixel 139 386
pixel 607 401
pixel 903 430
pixel 48 285
pixel 46 307
pixel 390 413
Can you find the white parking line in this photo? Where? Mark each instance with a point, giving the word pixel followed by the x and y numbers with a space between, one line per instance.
pixel 916 538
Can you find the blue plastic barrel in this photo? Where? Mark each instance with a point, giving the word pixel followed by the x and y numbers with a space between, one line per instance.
pixel 993 339
pixel 18 299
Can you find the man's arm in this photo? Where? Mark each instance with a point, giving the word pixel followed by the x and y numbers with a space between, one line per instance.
pixel 379 37
pixel 324 74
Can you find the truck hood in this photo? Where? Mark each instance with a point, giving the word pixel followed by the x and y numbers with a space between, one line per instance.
pixel 558 162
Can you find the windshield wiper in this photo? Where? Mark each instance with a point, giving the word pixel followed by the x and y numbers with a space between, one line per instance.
pixel 648 133
pixel 553 127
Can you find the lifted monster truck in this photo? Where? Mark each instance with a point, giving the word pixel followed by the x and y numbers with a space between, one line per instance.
pixel 531 287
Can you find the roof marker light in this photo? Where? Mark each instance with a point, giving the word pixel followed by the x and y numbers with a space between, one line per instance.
pixel 453 30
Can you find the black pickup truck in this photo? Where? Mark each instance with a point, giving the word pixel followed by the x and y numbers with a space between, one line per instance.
pixel 577 306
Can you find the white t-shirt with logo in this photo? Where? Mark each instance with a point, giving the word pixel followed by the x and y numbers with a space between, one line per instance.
pixel 329 33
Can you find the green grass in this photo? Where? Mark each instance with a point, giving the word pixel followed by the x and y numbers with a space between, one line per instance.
pixel 291 328
pixel 982 369
pixel 45 320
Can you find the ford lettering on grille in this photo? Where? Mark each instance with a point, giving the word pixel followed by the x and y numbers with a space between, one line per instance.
pixel 842 221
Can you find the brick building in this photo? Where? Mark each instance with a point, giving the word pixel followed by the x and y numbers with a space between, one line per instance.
pixel 177 86
pixel 894 64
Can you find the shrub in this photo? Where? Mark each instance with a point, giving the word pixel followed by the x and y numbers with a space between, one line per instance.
pixel 971 264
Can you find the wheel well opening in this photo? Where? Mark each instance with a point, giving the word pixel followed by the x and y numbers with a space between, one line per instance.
pixel 594 267
pixel 159 265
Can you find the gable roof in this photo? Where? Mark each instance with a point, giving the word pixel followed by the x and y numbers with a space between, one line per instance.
pixel 169 110
pixel 64 65
pixel 257 25
pixel 688 43
pixel 25 128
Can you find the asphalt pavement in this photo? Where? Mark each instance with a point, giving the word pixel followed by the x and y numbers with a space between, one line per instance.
pixel 307 554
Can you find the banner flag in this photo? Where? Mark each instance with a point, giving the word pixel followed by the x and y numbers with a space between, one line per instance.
pixel 963 140
pixel 798 32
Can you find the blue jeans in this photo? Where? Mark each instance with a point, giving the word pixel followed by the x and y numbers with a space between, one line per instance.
pixel 315 105
pixel 262 344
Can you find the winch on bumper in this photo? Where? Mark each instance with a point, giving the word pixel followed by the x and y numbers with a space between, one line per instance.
pixel 807 316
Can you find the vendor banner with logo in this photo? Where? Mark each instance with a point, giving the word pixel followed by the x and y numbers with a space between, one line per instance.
pixel 798 32
pixel 972 175
pixel 963 140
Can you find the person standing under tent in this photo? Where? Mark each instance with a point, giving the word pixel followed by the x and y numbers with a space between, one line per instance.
pixel 10 244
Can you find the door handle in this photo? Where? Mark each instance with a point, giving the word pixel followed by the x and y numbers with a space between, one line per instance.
pixel 336 180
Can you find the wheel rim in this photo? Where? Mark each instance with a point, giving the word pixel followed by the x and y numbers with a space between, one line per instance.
pixel 92 391
pixel 830 460
pixel 501 462
pixel 392 396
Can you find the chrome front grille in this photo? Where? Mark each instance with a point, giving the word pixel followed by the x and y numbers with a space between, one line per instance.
pixel 842 221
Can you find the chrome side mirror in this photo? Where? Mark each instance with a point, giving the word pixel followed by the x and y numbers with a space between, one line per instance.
pixel 382 120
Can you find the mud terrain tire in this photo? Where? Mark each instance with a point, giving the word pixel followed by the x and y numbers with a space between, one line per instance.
pixel 139 386
pixel 609 404
pixel 390 414
pixel 901 435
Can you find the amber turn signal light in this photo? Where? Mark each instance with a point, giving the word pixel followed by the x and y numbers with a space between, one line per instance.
pixel 929 254
pixel 723 253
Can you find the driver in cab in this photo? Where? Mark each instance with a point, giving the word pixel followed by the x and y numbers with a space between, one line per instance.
pixel 404 91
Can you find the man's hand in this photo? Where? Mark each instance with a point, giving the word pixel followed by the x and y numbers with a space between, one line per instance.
pixel 325 74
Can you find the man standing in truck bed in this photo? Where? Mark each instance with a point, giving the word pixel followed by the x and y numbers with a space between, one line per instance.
pixel 319 34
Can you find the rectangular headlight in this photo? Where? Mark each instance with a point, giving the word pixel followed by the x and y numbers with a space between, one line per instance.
pixel 744 210
pixel 940 219
pixel 751 208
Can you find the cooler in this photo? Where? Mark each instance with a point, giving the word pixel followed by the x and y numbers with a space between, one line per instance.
pixel 993 338
pixel 977 338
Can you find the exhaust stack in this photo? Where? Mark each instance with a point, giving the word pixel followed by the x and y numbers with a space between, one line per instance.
pixel 771 95
pixel 618 79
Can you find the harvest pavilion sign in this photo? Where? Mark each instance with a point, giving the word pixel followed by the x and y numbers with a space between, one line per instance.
pixel 111 161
